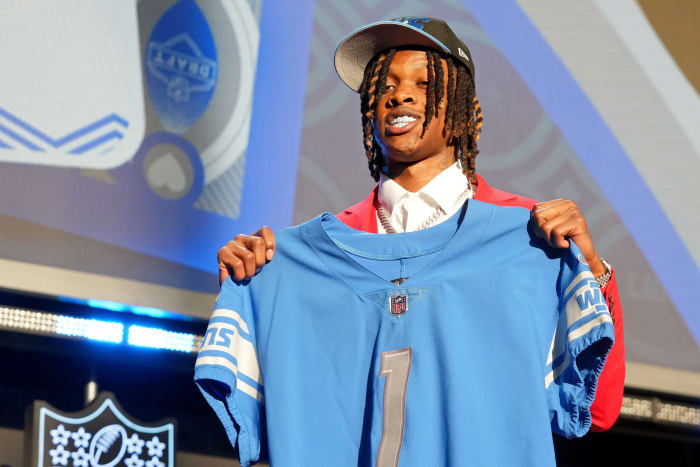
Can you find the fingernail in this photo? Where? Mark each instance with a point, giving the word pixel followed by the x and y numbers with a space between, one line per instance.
pixel 268 254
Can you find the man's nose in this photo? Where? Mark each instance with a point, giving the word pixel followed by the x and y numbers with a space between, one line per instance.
pixel 403 94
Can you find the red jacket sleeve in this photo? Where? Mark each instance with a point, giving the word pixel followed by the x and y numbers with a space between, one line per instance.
pixel 611 383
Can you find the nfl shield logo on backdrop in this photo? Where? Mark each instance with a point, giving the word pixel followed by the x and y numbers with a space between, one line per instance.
pixel 398 304
pixel 101 435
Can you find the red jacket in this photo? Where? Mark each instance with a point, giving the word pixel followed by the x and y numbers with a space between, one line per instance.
pixel 608 398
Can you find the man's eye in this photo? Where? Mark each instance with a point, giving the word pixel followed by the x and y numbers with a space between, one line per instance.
pixel 422 83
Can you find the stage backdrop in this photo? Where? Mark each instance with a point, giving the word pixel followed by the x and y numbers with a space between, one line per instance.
pixel 137 137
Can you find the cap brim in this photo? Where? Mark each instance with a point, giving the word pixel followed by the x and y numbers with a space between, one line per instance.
pixel 355 51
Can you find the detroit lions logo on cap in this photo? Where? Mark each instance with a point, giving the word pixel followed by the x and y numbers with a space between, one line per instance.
pixel 412 21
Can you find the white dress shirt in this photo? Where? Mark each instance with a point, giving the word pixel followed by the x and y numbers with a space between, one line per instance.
pixel 411 211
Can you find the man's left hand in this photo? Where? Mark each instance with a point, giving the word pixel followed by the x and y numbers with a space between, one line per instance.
pixel 560 219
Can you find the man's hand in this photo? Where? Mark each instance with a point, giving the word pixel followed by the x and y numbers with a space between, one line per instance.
pixel 243 256
pixel 555 221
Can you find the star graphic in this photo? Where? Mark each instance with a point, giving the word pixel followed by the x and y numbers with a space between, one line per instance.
pixel 155 462
pixel 59 435
pixel 134 444
pixel 155 447
pixel 59 455
pixel 81 438
pixel 80 458
pixel 134 461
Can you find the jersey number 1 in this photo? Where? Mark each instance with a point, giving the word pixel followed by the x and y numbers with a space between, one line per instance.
pixel 396 365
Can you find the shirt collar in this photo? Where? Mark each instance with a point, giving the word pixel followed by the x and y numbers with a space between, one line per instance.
pixel 443 189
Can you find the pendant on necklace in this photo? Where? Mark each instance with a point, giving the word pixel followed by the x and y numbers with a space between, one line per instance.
pixel 398 304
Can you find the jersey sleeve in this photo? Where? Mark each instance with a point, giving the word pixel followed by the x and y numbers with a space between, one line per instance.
pixel 582 338
pixel 228 374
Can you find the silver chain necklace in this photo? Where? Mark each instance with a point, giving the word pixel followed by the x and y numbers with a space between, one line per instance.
pixel 385 218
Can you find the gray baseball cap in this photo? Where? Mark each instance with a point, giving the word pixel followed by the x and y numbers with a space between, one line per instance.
pixel 354 52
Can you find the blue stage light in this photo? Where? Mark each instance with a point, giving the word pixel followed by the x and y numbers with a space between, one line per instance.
pixel 104 304
pixel 156 338
pixel 105 331
pixel 39 322
pixel 135 309
pixel 125 308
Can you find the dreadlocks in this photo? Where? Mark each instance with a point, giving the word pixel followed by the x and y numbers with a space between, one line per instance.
pixel 462 115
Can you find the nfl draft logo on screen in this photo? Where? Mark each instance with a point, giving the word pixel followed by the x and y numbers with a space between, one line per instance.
pixel 181 67
pixel 101 435
pixel 183 71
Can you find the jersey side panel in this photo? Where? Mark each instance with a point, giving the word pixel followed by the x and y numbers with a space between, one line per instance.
pixel 489 326
pixel 317 338
pixel 475 393
pixel 579 332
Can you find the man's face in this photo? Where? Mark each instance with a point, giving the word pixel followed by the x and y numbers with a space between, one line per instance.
pixel 400 112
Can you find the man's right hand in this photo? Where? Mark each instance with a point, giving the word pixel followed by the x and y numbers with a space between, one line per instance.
pixel 243 256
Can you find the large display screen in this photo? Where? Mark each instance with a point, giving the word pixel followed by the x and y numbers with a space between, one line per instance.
pixel 132 136
pixel 137 137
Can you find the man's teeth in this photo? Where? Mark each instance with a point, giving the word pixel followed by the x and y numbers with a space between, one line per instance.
pixel 402 121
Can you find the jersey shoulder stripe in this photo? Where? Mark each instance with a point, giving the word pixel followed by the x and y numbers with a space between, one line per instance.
pixel 227 345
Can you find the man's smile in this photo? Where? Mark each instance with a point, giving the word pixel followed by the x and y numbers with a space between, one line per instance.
pixel 399 122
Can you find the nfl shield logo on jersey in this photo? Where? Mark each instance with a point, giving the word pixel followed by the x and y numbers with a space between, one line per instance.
pixel 398 304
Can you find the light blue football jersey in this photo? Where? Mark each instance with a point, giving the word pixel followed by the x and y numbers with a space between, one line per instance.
pixel 489 343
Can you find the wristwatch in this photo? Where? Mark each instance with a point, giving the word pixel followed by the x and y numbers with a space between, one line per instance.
pixel 605 277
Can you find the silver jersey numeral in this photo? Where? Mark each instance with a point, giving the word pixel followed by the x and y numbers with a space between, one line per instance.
pixel 396 365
